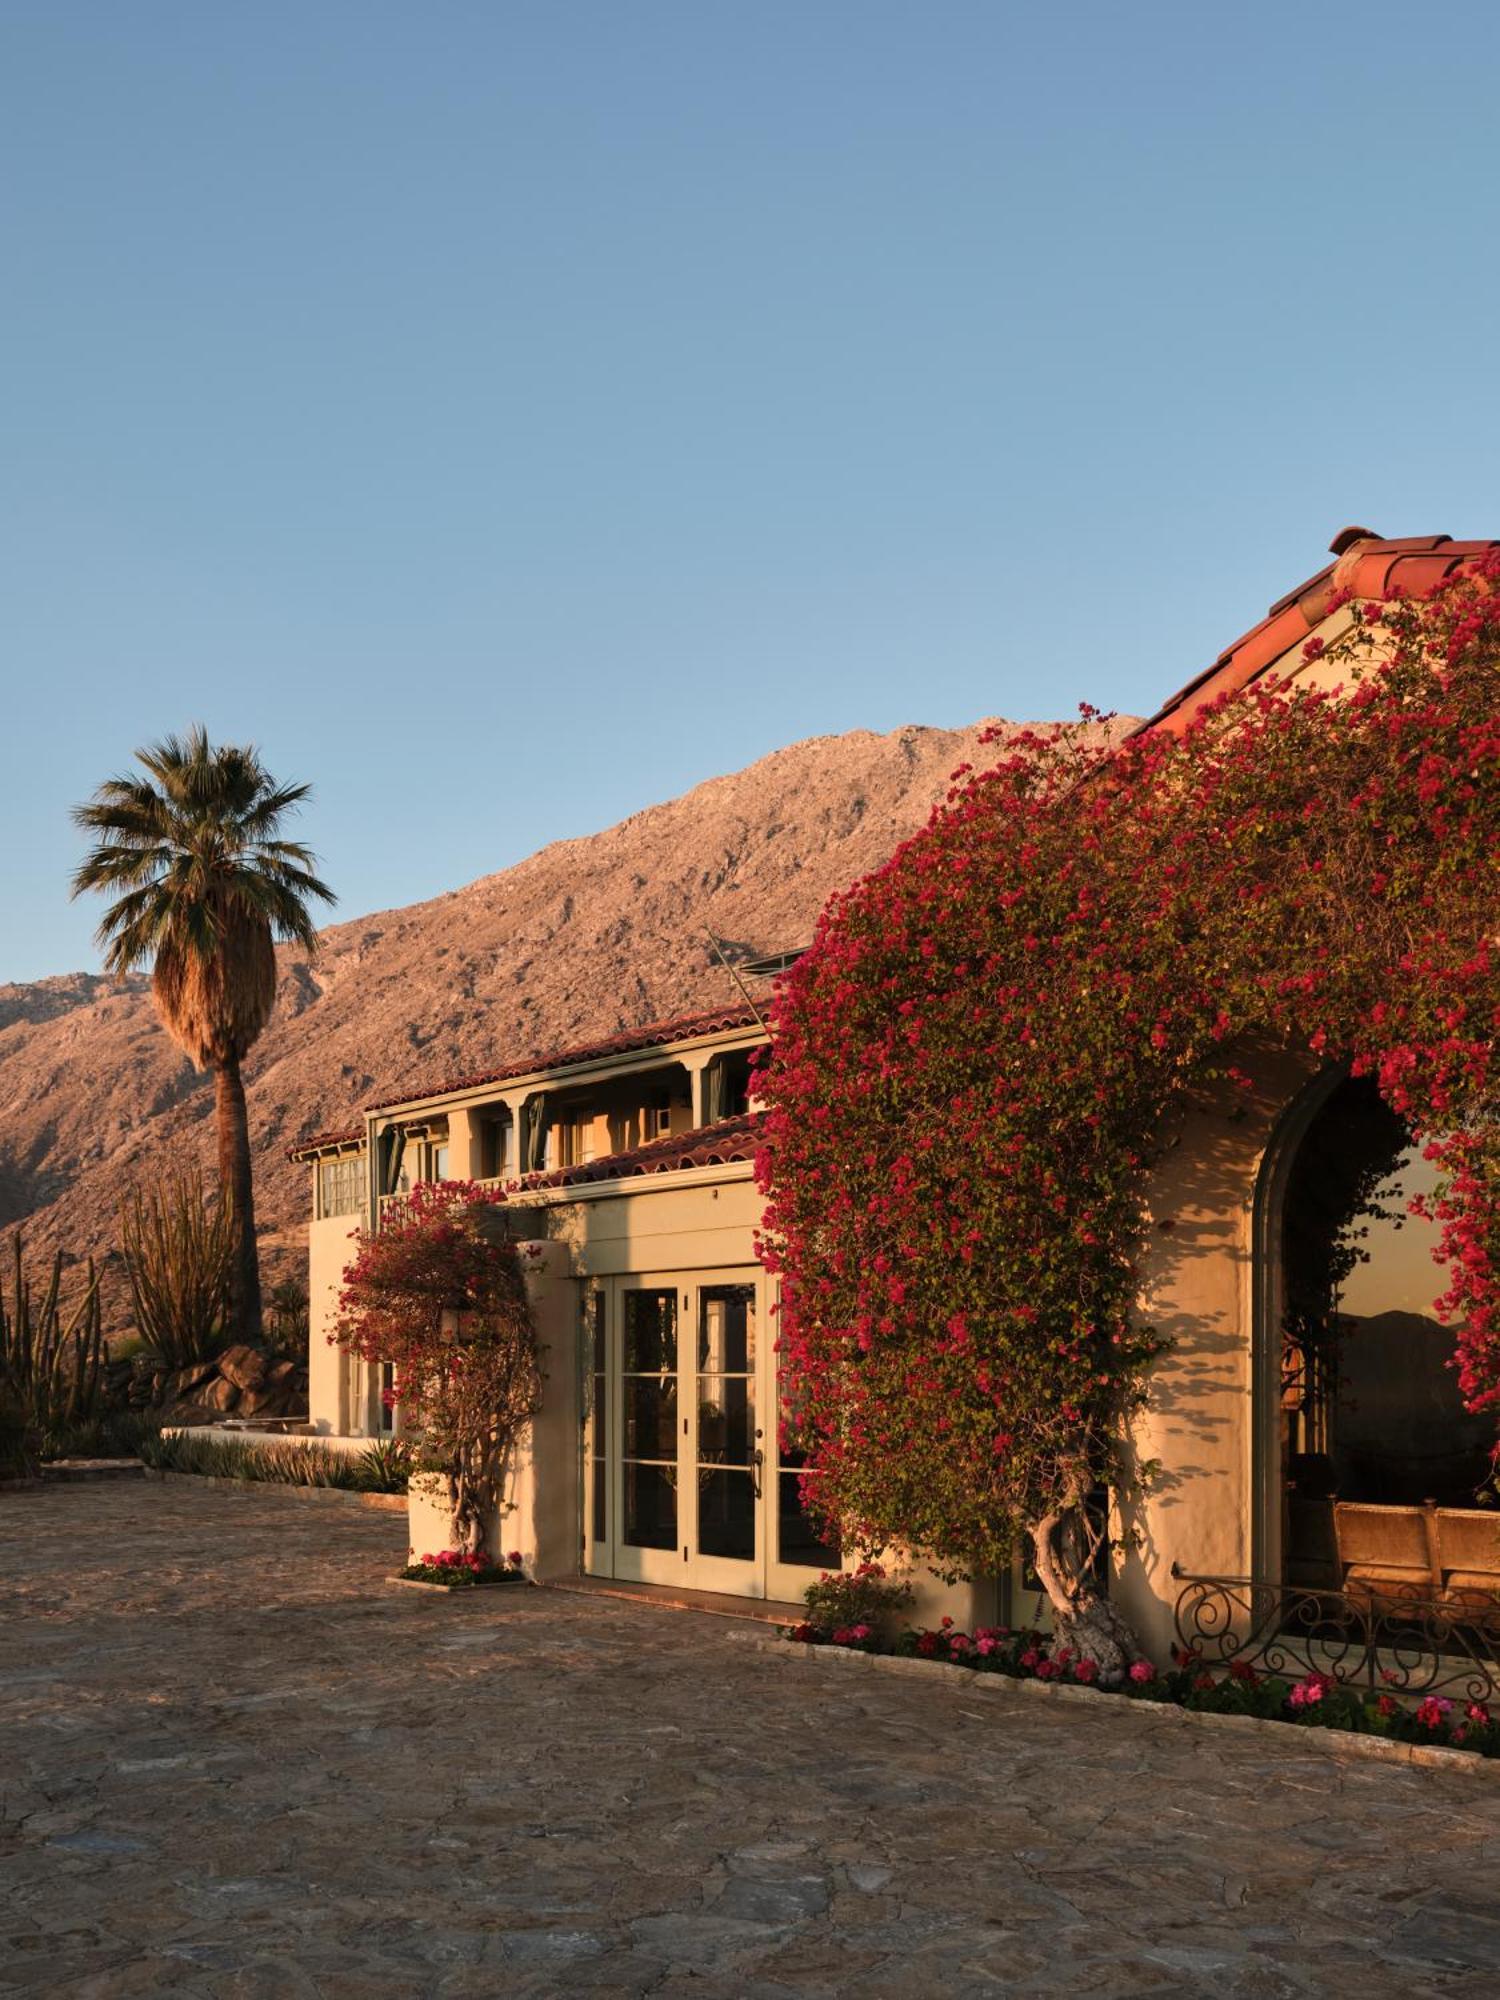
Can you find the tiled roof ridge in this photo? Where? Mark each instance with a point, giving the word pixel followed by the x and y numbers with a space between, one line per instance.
pixel 653 1035
pixel 1365 566
pixel 716 1145
pixel 321 1140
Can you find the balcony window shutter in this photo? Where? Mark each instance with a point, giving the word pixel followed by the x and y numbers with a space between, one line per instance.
pixel 715 1097
pixel 536 1120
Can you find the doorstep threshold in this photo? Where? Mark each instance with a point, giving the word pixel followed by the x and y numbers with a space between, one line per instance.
pixel 667 1597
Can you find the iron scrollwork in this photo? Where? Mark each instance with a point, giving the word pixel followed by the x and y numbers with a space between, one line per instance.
pixel 1388 1637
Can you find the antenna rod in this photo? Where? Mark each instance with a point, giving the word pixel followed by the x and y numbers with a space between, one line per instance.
pixel 718 951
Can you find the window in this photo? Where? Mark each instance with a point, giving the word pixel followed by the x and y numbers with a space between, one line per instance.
pixel 1370 1410
pixel 439 1167
pixel 575 1139
pixel 341 1184
pixel 498 1163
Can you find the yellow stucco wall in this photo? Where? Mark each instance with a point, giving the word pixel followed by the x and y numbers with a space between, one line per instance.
pixel 329 1248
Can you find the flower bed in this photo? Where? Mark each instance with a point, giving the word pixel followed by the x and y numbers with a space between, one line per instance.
pixel 461 1569
pixel 1318 1700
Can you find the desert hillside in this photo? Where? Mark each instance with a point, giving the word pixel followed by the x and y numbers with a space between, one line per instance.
pixel 586 938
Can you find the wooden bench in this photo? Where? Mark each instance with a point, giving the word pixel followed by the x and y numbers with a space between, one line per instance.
pixel 1441 1555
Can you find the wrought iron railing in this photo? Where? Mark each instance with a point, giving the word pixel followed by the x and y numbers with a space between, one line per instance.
pixel 1389 1637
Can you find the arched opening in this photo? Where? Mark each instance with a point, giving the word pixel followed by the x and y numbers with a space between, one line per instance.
pixel 1364 1434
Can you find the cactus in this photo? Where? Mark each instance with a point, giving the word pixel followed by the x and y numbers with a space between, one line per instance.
pixel 178 1253
pixel 51 1368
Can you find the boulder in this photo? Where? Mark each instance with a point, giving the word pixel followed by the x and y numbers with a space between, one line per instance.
pixel 243 1365
pixel 269 1399
pixel 218 1395
pixel 281 1371
pixel 184 1381
pixel 186 1415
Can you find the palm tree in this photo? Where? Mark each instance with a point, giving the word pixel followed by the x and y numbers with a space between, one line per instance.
pixel 207 890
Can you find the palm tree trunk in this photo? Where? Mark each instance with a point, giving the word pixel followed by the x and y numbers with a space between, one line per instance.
pixel 233 1127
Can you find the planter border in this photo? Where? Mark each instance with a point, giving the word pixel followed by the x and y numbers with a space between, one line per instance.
pixel 1340 1743
pixel 393 1503
pixel 518 1582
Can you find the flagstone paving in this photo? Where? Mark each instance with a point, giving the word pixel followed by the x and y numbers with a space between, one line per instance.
pixel 236 1764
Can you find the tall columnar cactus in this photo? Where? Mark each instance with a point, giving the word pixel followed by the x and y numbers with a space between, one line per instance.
pixel 51 1366
pixel 178 1249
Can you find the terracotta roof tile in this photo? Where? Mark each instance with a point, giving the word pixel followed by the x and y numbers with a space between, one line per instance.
pixel 710 1146
pixel 321 1141
pixel 684 1028
pixel 1367 567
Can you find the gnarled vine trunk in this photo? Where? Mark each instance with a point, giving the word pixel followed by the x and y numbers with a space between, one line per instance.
pixel 1083 1618
pixel 466 1512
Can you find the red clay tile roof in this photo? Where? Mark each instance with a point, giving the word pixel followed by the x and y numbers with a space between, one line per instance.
pixel 653 1036
pixel 710 1146
pixel 1364 566
pixel 320 1141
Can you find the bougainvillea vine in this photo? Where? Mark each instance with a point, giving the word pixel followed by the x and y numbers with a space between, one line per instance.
pixel 976 1062
pixel 438 1295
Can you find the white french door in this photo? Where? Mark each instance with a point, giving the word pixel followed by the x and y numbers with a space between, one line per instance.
pixel 683 1483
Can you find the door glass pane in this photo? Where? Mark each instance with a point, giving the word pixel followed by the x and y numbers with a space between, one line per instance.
pixel 597 1417
pixel 798 1539
pixel 650 1333
pixel 726 1330
pixel 651 1417
pixel 728 1464
pixel 651 1506
pixel 726 1420
pixel 649 1446
pixel 726 1514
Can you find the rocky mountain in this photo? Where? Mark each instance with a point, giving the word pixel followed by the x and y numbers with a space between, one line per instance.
pixel 586 938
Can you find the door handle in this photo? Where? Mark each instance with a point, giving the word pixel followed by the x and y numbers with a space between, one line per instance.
pixel 757 1460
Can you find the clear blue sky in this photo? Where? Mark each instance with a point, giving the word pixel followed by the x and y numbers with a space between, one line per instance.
pixel 508 415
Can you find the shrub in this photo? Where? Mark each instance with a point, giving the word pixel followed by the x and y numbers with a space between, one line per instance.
pixel 381 1469
pixel 51 1363
pixel 287 1318
pixel 459 1569
pixel 438 1298
pixel 840 1600
pixel 109 1434
pixel 18 1449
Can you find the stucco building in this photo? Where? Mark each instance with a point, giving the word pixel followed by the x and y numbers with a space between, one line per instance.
pixel 656 1460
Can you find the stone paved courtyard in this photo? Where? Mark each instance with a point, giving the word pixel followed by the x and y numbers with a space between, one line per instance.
pixel 237 1764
